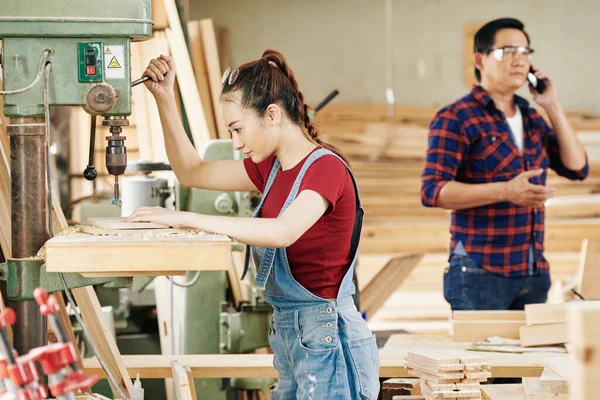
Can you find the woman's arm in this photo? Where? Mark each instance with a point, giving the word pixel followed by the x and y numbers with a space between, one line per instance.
pixel 282 231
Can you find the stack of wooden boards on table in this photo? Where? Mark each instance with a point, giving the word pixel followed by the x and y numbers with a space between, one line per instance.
pixel 387 157
pixel 448 374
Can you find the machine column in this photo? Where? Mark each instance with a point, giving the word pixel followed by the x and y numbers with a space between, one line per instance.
pixel 28 218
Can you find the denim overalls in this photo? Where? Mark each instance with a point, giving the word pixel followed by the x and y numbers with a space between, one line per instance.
pixel 323 348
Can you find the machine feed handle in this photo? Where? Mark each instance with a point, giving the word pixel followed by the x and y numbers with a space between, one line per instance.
pixel 90 172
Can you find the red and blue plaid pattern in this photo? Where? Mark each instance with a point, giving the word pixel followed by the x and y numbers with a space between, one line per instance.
pixel 470 142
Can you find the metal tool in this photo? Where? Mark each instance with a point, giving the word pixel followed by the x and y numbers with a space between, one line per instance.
pixel 326 100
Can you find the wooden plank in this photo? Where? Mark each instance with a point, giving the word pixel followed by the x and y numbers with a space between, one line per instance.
pixel 92 230
pixel 537 314
pixel 533 391
pixel 185 75
pixel 181 381
pixel 399 386
pixel 543 335
pixel 391 276
pixel 483 329
pixel 159 15
pixel 233 274
pixel 163 312
pixel 188 371
pixel 589 270
pixel 211 55
pixel 556 383
pixel 91 312
pixel 201 74
pixel 503 392
pixel 117 224
pixel 139 100
pixel 583 319
pixel 492 315
pixel 224 47
pixel 80 252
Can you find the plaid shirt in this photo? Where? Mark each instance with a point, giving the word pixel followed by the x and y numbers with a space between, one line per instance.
pixel 471 142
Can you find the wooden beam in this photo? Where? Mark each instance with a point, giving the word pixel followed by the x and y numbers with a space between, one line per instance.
pixel 159 15
pixel 556 383
pixel 190 376
pixel 211 55
pixel 201 73
pixel 583 320
pixel 185 75
pixel 503 392
pixel 381 287
pixel 581 206
pixel 502 315
pixel 224 47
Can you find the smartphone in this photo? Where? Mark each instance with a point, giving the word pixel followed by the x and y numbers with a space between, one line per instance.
pixel 539 85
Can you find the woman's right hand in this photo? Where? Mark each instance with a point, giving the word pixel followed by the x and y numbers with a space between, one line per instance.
pixel 161 70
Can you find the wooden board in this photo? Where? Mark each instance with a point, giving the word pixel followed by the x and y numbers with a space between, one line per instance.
pixel 552 380
pixel 83 253
pixel 537 314
pixel 181 381
pixel 91 312
pixel 389 278
pixel 584 360
pixel 508 315
pixel 483 329
pixel 117 224
pixel 578 206
pixel 534 391
pixel 211 53
pixel 503 392
pixel 159 15
pixel 589 270
pixel 197 54
pixel 185 75
pixel 92 230
pixel 543 335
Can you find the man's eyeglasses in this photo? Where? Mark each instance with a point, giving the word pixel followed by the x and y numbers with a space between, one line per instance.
pixel 510 52
pixel 230 76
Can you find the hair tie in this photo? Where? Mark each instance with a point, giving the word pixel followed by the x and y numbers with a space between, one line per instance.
pixel 319 141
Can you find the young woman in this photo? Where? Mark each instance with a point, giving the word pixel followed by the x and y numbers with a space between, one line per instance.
pixel 303 236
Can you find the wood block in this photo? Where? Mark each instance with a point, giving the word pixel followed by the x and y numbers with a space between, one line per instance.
pixel 537 314
pixel 583 319
pixel 433 378
pixel 488 315
pixel 543 335
pixel 117 224
pixel 469 331
pixel 432 356
pixel 503 392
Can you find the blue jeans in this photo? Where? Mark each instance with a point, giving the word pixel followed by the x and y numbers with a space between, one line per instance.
pixel 324 352
pixel 467 286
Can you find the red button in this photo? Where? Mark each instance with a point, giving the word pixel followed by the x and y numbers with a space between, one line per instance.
pixel 90 70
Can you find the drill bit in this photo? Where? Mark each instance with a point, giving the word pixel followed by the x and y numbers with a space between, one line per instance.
pixel 116 197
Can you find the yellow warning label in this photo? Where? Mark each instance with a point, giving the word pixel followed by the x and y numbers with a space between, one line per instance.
pixel 114 63
pixel 107 51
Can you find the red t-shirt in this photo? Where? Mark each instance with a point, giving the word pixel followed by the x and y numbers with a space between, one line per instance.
pixel 320 258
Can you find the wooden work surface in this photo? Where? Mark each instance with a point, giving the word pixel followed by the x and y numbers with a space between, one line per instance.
pixel 261 365
pixel 117 255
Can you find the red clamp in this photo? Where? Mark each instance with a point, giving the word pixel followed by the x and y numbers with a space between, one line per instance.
pixel 73 382
pixel 48 304
pixel 32 393
pixel 7 317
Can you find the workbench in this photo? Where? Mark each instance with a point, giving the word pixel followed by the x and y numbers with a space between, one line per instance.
pixel 261 365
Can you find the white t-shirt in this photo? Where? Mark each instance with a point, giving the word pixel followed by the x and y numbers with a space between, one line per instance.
pixel 516 127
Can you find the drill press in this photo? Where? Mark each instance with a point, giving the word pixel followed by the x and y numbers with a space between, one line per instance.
pixel 83 51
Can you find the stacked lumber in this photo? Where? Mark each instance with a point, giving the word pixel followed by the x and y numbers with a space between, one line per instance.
pixel 545 325
pixel 448 374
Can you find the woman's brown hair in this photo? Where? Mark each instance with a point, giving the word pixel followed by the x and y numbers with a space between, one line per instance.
pixel 270 80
